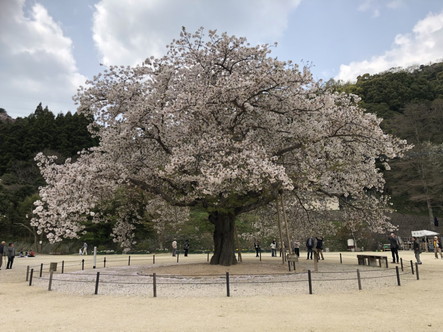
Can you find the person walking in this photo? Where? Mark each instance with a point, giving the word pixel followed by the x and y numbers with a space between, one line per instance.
pixel 273 248
pixel 85 248
pixel 3 249
pixel 319 247
pixel 174 248
pixel 11 255
pixel 416 248
pixel 309 246
pixel 394 244
pixel 437 246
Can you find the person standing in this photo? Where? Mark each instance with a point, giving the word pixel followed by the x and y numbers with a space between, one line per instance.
pixel 11 255
pixel 309 246
pixel 174 248
pixel 3 249
pixel 257 248
pixel 273 248
pixel 85 248
pixel 319 247
pixel 186 247
pixel 437 246
pixel 394 244
pixel 416 247
pixel 296 247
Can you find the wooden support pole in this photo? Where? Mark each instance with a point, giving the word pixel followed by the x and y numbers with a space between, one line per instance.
pixel 50 280
pixel 359 279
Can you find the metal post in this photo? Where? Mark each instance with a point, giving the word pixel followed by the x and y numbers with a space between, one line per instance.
pixel 104 262
pixel 154 284
pixel 412 267
pixel 178 255
pixel 83 264
pixel 416 269
pixel 30 278
pixel 50 279
pixel 95 257
pixel 41 270
pixel 63 267
pixel 260 254
pixel 401 264
pixel 27 273
pixel 341 259
pixel 310 281
pixel 153 259
pixel 398 275
pixel 129 260
pixel 228 293
pixel 359 280
pixel 96 283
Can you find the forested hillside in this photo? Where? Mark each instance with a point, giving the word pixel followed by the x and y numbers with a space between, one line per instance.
pixel 20 140
pixel 411 103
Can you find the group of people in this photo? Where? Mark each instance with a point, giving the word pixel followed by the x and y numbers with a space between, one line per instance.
pixel 174 246
pixel 7 252
pixel 395 245
pixel 313 244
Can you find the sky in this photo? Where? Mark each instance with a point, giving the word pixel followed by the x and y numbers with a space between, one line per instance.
pixel 48 48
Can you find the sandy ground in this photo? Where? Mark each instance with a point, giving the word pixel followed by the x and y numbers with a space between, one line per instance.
pixel 414 306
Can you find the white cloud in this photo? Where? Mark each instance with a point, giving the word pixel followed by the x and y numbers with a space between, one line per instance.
pixel 127 32
pixel 36 61
pixel 423 45
pixel 377 6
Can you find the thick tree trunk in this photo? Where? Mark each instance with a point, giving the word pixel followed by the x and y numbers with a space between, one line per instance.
pixel 224 240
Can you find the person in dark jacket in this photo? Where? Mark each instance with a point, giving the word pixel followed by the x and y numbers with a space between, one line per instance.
pixel 416 247
pixel 319 247
pixel 186 247
pixel 309 246
pixel 2 252
pixel 394 244
pixel 11 255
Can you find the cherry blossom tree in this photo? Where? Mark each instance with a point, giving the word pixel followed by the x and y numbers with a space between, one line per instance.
pixel 221 125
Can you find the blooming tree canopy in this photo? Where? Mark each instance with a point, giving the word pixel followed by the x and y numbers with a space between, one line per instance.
pixel 219 124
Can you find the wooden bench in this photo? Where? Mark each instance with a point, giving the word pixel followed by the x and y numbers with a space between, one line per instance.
pixel 372 260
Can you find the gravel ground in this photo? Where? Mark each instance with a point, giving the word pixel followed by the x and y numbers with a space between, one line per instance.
pixel 190 280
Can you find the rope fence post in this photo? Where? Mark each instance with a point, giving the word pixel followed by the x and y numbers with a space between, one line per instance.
pixel 129 260
pixel 412 267
pixel 178 255
pixel 27 273
pixel 359 279
pixel 401 264
pixel 96 283
pixel 260 254
pixel 154 284
pixel 83 264
pixel 397 270
pixel 50 280
pixel 228 292
pixel 41 270
pixel 416 270
pixel 153 259
pixel 310 281
pixel 207 259
pixel 104 261
pixel 63 267
pixel 30 277
pixel 341 259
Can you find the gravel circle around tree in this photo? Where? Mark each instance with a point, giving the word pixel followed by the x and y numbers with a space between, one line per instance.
pixel 269 278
